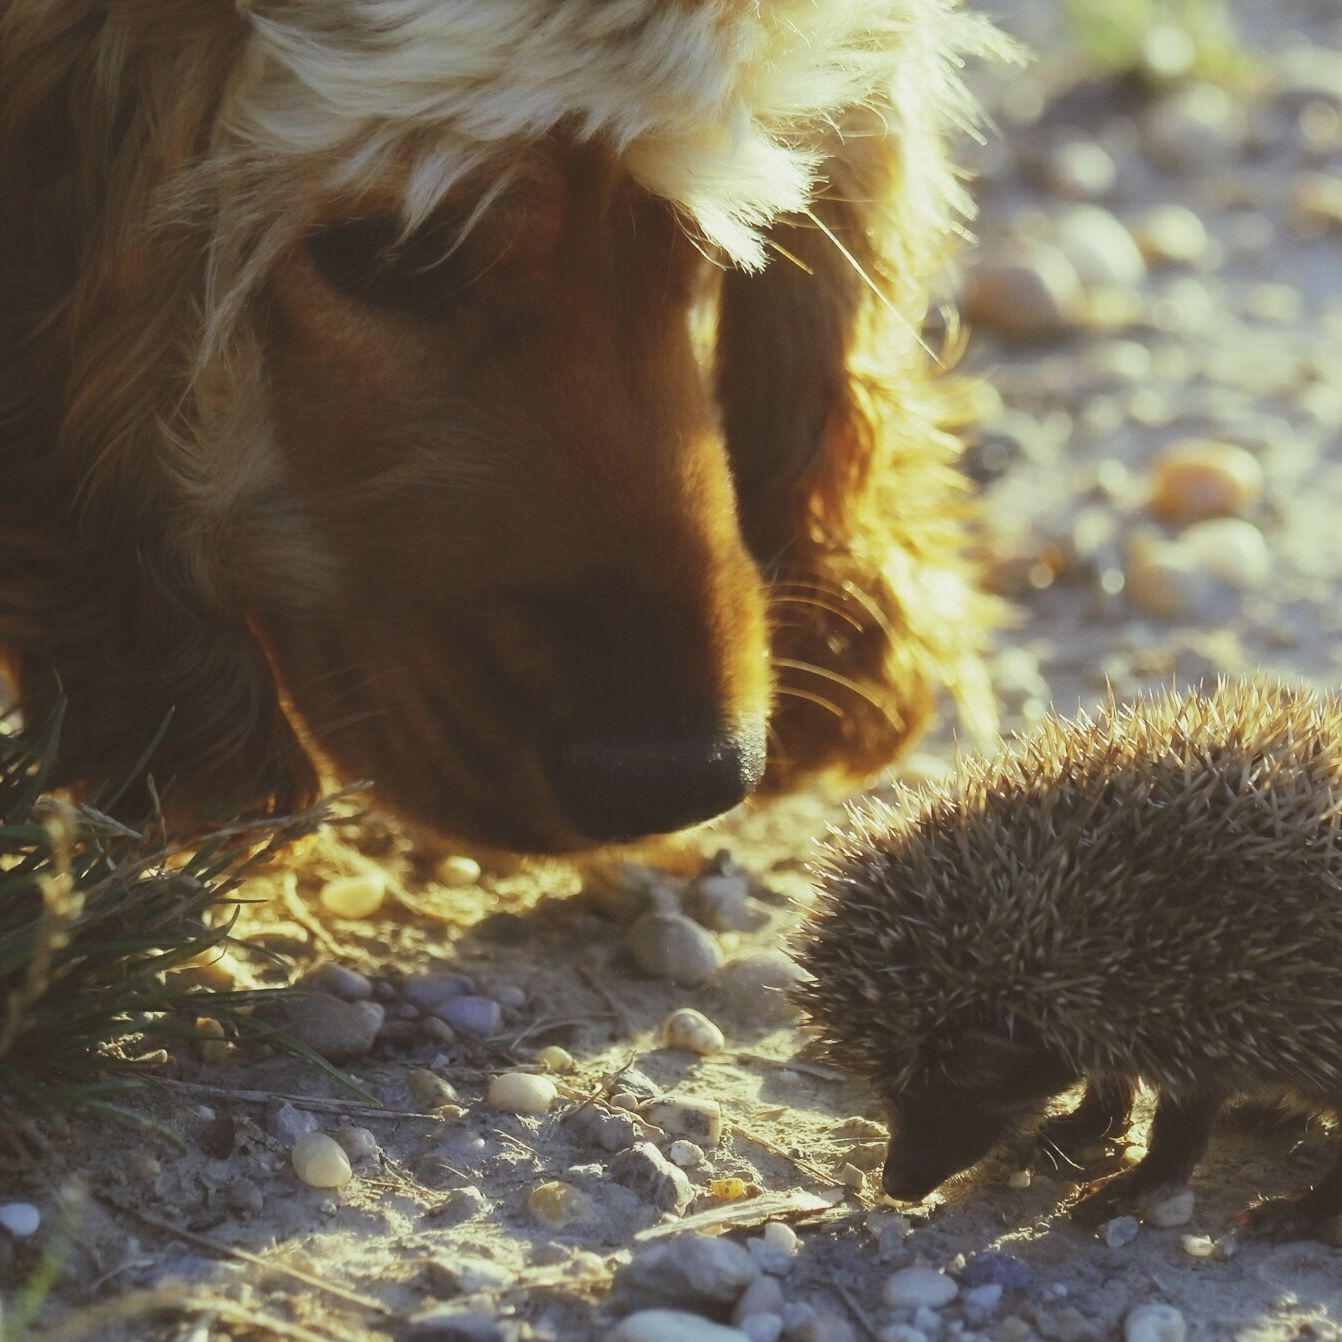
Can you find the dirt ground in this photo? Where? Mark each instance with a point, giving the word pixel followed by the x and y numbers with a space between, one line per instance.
pixel 1125 326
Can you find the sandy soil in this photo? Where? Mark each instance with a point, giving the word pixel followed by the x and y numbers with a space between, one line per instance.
pixel 1237 338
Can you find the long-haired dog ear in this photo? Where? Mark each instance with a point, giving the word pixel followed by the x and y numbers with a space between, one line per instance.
pixel 142 675
pixel 103 607
pixel 839 430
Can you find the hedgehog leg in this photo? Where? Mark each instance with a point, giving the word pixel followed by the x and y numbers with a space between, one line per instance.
pixel 1102 1112
pixel 1307 1216
pixel 1180 1131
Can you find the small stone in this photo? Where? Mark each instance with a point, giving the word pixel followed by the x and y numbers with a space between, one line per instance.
pixel 1196 478
pixel 985 1298
pixel 1018 1179
pixel 451 1325
pixel 340 981
pixel 1231 549
pixel 1196 127
pixel 461 1204
pixel 722 901
pixel 1197 1246
pixel 699 1120
pixel 1121 1231
pixel 244 1198
pixel 685 1154
pixel 692 1031
pixel 455 872
pixel 912 1287
pixel 358 1143
pixel 1154 1323
pixel 693 1271
pixel 479 1016
pixel 822 1327
pixel 653 1177
pixel 904 1332
pixel 1067 1324
pixel 374 1014
pixel 1080 169
pixel 1316 202
pixel 431 990
pixel 764 1295
pixel 1165 579
pixel 429 1089
pixel 21 1219
pixel 781 1236
pixel 319 1161
pixel 354 896
pixel 522 1093
pixel 1171 235
pixel 1014 1329
pixel 557 1060
pixel 1027 289
pixel 557 1204
pixel 675 948
pixel 852 1176
pixel 996 1268
pixel 763 1327
pixel 287 1124
pixel 753 989
pixel 336 1029
pixel 1100 249
pixel 672 1325
pixel 1175 1209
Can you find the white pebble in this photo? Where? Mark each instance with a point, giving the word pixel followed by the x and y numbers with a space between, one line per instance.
pixel 1019 1179
pixel 685 1154
pixel 1232 549
pixel 764 1295
pixel 455 872
pixel 522 1093
pixel 20 1218
pixel 912 1287
pixel 432 990
pixel 556 1059
pixel 675 948
pixel 1174 1210
pixel 1154 1323
pixel 672 1325
pixel 320 1162
pixel 354 896
pixel 781 1236
pixel 693 1031
pixel 1100 249
pixel 1121 1231
pixel 373 1012
pixel 1171 235
pixel 1197 1246
pixel 699 1120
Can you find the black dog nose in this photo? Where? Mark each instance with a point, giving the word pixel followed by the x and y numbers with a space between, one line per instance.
pixel 615 786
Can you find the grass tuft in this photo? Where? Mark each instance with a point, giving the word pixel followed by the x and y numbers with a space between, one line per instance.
pixel 94 914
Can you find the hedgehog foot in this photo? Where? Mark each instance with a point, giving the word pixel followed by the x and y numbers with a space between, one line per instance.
pixel 1102 1199
pixel 1102 1113
pixel 1282 1219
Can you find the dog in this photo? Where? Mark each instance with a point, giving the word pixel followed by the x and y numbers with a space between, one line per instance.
pixel 519 403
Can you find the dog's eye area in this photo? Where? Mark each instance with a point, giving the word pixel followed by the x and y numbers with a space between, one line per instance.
pixel 375 262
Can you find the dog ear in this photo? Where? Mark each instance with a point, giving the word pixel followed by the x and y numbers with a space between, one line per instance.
pixel 142 673
pixel 839 431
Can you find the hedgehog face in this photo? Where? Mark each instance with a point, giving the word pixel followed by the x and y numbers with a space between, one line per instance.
pixel 984 1089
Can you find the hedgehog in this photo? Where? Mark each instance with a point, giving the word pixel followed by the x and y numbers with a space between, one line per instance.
pixel 1152 895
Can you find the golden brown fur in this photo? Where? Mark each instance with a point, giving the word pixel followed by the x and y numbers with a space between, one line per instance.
pixel 433 523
